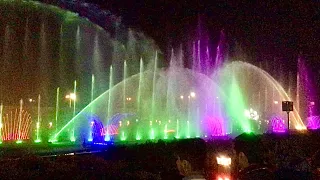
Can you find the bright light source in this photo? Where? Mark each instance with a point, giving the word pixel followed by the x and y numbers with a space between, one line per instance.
pixel 312 103
pixel 73 96
pixel 30 100
pixel 300 128
pixel 219 178
pixel 193 94
pixel 50 124
pixel 224 161
pixel 72 139
pixel 181 97
pixel 276 102
pixel 128 98
pixel 251 114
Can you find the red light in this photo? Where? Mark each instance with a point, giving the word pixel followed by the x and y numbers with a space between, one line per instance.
pixel 223 178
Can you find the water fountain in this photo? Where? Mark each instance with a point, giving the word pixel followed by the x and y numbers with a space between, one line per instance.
pixel 16 125
pixel 52 51
pixel 188 103
pixel 120 90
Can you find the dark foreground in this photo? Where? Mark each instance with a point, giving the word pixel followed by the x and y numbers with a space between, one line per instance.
pixel 292 157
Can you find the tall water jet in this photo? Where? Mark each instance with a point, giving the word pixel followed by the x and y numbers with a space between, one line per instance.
pixel 110 104
pixel 140 84
pixel 177 129
pixel 124 95
pixel 43 62
pixel 194 56
pixel 57 111
pixel 20 119
pixel 110 93
pixel 97 59
pixel 38 121
pixel 165 131
pixel 73 138
pixel 62 69
pixel 305 90
pixel 91 107
pixel 1 123
pixel 199 56
pixel 208 59
pixel 154 86
pixel 220 51
pixel 78 49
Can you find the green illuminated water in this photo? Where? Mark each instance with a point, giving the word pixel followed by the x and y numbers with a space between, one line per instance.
pixel 73 138
pixel 38 120
pixel 154 87
pixel 237 106
pixel 140 85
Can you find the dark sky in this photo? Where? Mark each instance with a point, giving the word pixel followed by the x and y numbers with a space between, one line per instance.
pixel 265 28
pixel 273 32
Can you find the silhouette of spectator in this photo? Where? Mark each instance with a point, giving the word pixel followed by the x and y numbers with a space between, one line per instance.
pixel 249 158
pixel 191 155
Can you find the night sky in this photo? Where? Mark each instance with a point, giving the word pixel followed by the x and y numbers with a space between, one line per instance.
pixel 281 30
pixel 268 31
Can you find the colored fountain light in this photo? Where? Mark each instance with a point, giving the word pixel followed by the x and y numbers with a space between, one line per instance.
pixel 16 126
pixel 251 114
pixel 223 178
pixel 313 122
pixel 132 96
pixel 278 124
